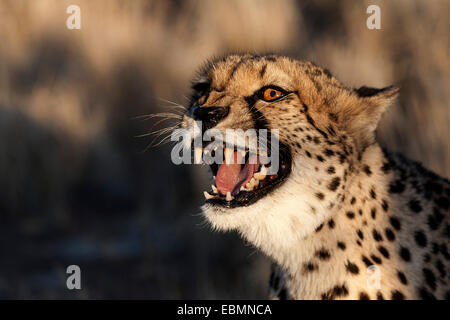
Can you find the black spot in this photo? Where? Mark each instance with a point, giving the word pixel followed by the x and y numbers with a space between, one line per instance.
pixel 363 296
pixel 308 154
pixel 426 295
pixel 373 213
pixel 380 296
pixel 386 168
pixel 384 251
pixel 373 194
pixel 316 140
pixel 367 261
pixel 435 219
pixel 367 170
pixel 320 158
pixel 420 238
pixel 323 254
pixel 389 234
pixel 396 187
pixel 405 254
pixel 350 215
pixel 329 153
pixel 441 268
pixel 352 268
pixel 402 277
pixel 429 278
pixel 395 223
pixel 376 259
pixel 334 184
pixel 341 245
pixel 331 170
pixel 320 195
pixel 397 295
pixel 385 205
pixel 360 234
pixel 331 224
pixel 376 235
pixel 337 291
pixel 353 200
pixel 309 267
pixel 319 227
pixel 360 212
pixel 415 206
pixel 442 203
pixel 263 71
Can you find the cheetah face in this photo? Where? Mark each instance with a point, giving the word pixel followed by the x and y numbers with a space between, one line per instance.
pixel 316 151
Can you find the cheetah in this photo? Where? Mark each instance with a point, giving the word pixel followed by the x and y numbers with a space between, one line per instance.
pixel 342 218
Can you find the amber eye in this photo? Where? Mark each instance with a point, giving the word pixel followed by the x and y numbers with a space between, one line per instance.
pixel 271 94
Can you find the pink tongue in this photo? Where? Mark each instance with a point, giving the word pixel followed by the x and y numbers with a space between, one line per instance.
pixel 230 177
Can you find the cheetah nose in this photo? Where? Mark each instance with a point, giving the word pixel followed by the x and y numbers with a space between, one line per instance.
pixel 210 116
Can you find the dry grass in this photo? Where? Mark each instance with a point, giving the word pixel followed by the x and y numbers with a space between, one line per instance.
pixel 75 184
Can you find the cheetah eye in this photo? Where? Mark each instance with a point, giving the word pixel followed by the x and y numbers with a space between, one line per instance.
pixel 270 94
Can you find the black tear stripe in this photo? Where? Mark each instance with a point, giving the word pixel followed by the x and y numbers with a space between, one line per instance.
pixel 308 117
pixel 259 119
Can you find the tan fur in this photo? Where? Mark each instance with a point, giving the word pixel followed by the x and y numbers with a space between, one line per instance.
pixel 322 119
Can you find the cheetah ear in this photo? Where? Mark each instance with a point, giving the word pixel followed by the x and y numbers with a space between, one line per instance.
pixel 383 93
pixel 362 116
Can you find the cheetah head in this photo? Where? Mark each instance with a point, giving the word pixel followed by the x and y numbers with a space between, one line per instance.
pixel 323 128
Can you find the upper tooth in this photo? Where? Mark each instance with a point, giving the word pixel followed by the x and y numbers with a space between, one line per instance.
pixel 228 155
pixel 229 196
pixel 207 195
pixel 198 155
pixel 214 189
pixel 261 175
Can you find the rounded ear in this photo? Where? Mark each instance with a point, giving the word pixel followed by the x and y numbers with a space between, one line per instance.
pixel 361 115
pixel 370 92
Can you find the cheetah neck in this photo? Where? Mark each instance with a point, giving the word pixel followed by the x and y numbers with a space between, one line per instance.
pixel 342 236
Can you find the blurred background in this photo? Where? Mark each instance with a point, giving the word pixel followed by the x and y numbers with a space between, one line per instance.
pixel 77 186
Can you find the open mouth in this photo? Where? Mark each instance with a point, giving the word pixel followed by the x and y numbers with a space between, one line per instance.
pixel 245 180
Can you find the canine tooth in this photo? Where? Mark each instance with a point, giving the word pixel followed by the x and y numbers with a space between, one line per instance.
pixel 263 170
pixel 261 175
pixel 207 195
pixel 214 189
pixel 229 197
pixel 256 182
pixel 228 155
pixel 198 155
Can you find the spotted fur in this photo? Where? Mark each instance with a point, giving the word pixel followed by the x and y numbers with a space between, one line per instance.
pixel 347 204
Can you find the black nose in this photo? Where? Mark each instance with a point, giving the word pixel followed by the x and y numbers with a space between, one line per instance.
pixel 209 116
